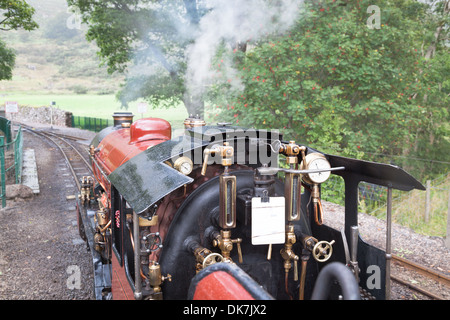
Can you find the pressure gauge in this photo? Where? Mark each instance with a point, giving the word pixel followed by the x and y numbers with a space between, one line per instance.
pixel 184 165
pixel 316 161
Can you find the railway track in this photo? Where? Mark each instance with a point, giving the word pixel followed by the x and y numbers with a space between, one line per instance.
pixel 78 165
pixel 428 273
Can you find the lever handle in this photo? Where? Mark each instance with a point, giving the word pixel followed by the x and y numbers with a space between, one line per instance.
pixel 238 244
pixel 206 154
pixel 226 152
pixel 354 232
pixel 269 252
pixel 295 270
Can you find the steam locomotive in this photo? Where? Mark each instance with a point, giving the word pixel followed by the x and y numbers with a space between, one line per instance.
pixel 225 212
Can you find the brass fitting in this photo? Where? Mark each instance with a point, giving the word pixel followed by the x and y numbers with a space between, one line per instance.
pixel 309 242
pixel 156 279
pixel 86 189
pixel 193 122
pixel 292 192
pixel 224 242
pixel 226 153
pixel 227 200
pixel 315 193
pixel 205 258
pixel 292 183
pixel 291 151
pixel 91 150
pixel 287 253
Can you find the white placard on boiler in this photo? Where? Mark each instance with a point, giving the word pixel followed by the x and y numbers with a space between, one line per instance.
pixel 268 225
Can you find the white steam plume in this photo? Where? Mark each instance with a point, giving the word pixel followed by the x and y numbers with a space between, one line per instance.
pixel 234 21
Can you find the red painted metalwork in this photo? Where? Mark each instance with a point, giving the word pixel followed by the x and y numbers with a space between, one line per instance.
pixel 220 285
pixel 120 288
pixel 121 145
pixel 149 129
pixel 114 150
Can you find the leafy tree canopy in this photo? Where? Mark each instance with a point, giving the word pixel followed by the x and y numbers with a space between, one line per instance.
pixel 14 14
pixel 346 76
pixel 147 39
pixel 339 83
pixel 155 42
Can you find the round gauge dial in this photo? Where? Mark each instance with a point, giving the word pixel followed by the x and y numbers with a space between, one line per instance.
pixel 183 165
pixel 317 161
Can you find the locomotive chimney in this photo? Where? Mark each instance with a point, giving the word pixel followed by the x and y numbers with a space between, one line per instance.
pixel 193 122
pixel 122 117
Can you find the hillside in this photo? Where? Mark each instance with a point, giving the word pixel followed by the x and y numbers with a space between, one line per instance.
pixel 56 58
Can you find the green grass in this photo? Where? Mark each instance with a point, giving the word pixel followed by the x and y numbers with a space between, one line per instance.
pixel 96 106
pixel 408 209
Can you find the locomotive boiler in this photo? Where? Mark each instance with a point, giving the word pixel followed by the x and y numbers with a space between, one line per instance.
pixel 225 212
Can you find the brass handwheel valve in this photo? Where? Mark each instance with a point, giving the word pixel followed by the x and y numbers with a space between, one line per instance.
pixel 323 250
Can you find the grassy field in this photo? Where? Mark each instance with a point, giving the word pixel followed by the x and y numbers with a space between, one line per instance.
pixel 96 106
pixel 408 208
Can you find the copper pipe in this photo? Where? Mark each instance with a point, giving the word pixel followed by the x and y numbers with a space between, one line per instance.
pixel 318 213
pixel 106 227
pixel 321 211
pixel 286 284
pixel 301 292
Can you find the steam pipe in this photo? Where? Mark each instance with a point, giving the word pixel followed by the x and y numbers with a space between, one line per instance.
pixel 336 271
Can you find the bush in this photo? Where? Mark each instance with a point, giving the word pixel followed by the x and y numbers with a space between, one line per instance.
pixel 79 89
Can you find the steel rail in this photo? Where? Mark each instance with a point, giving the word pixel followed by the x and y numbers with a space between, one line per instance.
pixel 428 272
pixel 416 288
pixel 62 138
pixel 49 136
pixel 423 270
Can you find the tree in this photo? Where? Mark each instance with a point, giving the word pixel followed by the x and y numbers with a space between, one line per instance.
pixel 163 46
pixel 432 134
pixel 13 15
pixel 147 40
pixel 335 82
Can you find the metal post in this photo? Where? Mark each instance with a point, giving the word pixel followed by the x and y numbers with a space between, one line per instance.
pixel 388 242
pixel 18 158
pixel 3 171
pixel 137 258
pixel 351 204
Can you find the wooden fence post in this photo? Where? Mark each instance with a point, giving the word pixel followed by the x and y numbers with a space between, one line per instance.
pixel 428 202
pixel 447 238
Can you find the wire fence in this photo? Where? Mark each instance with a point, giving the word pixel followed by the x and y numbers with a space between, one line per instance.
pixel 5 128
pixel 425 212
pixel 11 159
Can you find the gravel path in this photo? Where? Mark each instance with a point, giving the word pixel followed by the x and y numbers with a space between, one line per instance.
pixel 40 249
